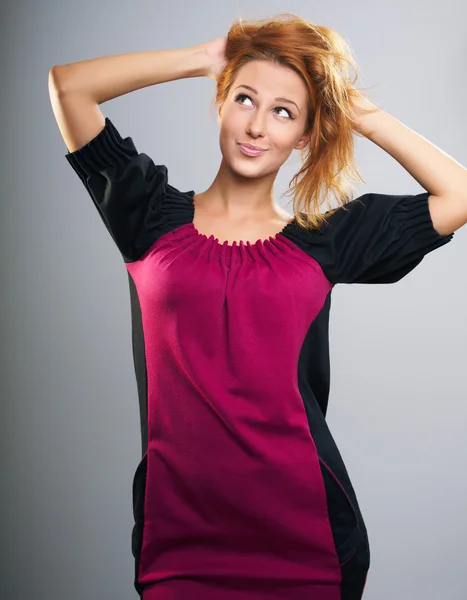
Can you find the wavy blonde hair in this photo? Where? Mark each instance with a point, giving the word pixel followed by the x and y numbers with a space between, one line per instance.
pixel 322 58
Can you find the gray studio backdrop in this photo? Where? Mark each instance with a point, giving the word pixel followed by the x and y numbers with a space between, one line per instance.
pixel 70 438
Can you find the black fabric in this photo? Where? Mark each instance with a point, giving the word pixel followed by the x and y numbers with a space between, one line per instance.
pixel 375 238
pixel 126 186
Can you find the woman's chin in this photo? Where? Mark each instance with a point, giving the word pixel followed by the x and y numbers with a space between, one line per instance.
pixel 248 167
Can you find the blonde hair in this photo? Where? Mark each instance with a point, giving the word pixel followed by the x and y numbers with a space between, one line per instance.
pixel 322 58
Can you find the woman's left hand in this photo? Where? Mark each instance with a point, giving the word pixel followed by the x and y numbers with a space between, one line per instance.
pixel 362 109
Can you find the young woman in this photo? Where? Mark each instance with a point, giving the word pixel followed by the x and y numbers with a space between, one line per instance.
pixel 241 492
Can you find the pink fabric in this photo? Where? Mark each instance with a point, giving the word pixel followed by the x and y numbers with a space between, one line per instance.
pixel 234 492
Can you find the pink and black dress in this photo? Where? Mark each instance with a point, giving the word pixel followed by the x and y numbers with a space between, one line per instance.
pixel 241 492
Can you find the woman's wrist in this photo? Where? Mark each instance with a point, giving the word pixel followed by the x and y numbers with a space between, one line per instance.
pixel 198 61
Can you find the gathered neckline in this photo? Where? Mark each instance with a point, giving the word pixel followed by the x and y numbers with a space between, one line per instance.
pixel 235 243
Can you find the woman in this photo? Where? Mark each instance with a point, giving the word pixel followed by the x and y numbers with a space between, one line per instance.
pixel 241 491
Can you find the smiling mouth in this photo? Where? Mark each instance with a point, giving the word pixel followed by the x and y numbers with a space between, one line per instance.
pixel 251 147
pixel 250 151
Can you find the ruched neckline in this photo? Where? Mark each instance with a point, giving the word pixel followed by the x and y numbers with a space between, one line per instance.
pixel 235 244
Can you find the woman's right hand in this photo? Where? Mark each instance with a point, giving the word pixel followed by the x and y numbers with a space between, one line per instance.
pixel 215 52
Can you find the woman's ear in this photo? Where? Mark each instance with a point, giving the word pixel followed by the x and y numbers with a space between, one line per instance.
pixel 303 141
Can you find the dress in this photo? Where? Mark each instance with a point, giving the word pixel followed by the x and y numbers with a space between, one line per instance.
pixel 241 492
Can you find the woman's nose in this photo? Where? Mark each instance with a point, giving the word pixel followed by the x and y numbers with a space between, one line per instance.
pixel 257 126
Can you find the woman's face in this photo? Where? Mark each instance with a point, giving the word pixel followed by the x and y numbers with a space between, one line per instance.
pixel 257 118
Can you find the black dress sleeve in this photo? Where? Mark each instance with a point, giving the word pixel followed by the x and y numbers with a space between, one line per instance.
pixel 378 238
pixel 127 188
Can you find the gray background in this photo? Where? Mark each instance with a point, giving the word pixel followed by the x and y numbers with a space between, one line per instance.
pixel 69 422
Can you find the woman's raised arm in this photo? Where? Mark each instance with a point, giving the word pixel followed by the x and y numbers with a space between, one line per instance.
pixel 77 89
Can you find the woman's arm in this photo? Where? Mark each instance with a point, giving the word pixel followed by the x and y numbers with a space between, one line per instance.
pixel 437 172
pixel 77 89
pixel 108 77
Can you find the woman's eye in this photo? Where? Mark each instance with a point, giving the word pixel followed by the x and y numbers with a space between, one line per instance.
pixel 241 96
pixel 287 111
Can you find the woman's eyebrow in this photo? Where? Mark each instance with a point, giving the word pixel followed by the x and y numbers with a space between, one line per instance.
pixel 280 99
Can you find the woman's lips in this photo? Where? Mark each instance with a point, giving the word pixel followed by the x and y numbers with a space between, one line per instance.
pixel 249 152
